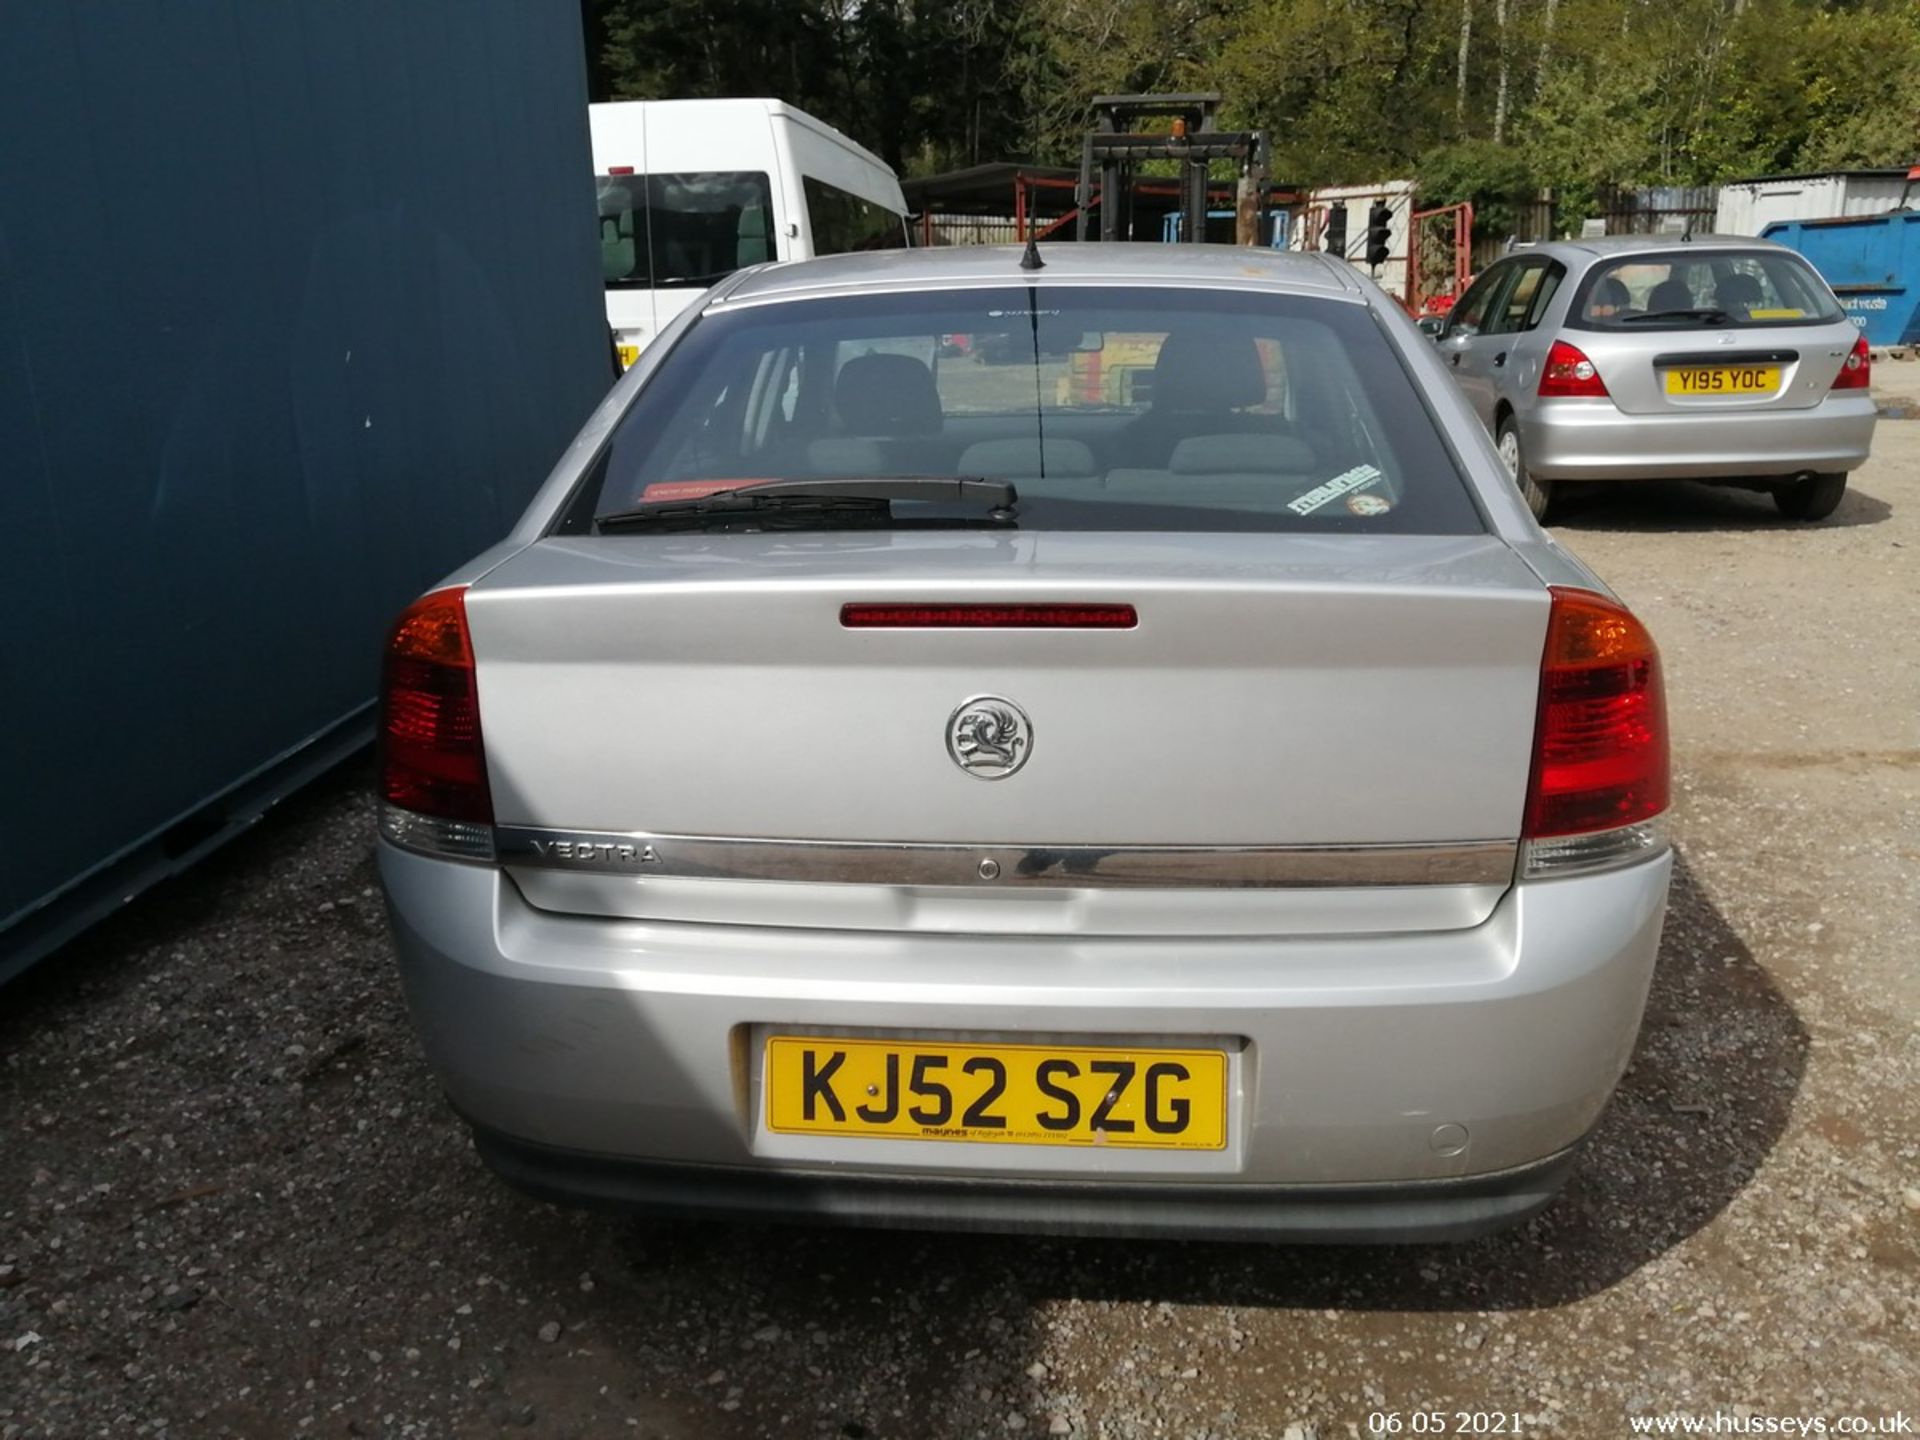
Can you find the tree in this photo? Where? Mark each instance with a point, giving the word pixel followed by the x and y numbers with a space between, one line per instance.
pixel 1482 99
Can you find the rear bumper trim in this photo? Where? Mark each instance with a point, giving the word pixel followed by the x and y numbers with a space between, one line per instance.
pixel 1471 862
pixel 1595 440
pixel 1402 1212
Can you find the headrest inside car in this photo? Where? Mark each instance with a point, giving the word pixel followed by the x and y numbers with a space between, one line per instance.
pixel 887 395
pixel 1208 373
pixel 1243 454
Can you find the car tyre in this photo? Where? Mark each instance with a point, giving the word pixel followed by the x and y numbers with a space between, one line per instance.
pixel 1812 497
pixel 1537 493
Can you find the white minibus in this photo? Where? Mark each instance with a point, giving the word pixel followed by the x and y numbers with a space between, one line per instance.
pixel 691 190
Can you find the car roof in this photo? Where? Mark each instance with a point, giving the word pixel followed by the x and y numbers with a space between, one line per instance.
pixel 1221 266
pixel 1612 247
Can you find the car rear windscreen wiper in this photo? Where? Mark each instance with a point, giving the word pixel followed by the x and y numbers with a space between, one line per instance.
pixel 1706 314
pixel 856 498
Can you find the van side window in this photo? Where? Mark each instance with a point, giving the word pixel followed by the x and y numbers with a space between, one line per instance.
pixel 683 230
pixel 843 222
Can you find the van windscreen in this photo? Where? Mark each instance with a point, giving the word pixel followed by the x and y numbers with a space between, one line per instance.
pixel 686 230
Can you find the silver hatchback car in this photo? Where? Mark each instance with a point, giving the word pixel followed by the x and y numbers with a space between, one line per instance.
pixel 1724 359
pixel 1098 747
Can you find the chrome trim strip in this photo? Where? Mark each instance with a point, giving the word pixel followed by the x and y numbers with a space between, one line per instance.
pixel 1471 862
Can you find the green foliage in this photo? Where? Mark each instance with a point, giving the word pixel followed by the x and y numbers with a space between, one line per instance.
pixel 1494 177
pixel 1575 95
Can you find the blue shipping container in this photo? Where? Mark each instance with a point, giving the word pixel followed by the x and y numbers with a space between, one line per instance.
pixel 299 301
pixel 1873 264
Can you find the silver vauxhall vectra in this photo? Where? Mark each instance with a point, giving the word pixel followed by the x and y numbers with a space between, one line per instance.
pixel 1095 747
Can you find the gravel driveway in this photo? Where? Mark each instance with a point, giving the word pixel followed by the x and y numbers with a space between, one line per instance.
pixel 231 1202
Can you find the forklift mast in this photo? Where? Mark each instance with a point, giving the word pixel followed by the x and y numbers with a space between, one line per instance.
pixel 1114 148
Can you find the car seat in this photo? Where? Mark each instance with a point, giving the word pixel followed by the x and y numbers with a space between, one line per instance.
pixel 883 405
pixel 1610 297
pixel 1673 293
pixel 1202 385
pixel 1737 293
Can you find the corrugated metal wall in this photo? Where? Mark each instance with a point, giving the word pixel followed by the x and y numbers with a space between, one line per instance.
pixel 298 302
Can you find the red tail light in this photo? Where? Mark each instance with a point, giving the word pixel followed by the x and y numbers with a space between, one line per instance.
pixel 431 760
pixel 1600 743
pixel 988 617
pixel 1856 373
pixel 1568 372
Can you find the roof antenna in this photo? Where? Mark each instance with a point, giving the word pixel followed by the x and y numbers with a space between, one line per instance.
pixel 1031 260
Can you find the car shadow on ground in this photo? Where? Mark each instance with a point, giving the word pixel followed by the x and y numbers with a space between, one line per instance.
pixel 1677 506
pixel 1705 1099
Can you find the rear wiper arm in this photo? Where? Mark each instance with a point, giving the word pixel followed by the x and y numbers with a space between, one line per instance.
pixel 853 494
pixel 1707 313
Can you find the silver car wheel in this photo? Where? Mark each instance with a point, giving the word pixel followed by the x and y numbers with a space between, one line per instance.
pixel 1509 445
pixel 1537 493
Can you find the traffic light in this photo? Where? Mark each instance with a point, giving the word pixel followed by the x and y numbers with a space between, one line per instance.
pixel 1379 233
pixel 1337 229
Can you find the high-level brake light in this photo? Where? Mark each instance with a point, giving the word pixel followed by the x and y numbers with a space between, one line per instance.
pixel 988 617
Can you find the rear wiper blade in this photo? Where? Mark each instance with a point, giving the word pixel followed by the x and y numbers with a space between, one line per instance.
pixel 1706 313
pixel 868 494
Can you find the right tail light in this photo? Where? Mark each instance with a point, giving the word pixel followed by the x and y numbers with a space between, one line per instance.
pixel 1600 784
pixel 1856 371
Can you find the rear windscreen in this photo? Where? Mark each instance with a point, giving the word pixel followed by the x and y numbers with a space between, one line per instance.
pixel 1685 289
pixel 683 230
pixel 1107 407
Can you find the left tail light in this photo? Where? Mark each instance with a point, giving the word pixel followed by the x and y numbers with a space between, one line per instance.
pixel 433 765
pixel 1569 373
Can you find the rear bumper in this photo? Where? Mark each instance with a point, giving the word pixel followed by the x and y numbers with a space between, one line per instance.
pixel 1365 1063
pixel 1594 440
pixel 1413 1212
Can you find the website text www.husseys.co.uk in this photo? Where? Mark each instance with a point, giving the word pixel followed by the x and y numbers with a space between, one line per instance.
pixel 1722 1423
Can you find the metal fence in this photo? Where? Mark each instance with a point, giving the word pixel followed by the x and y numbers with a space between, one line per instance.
pixel 1647 210
pixel 1533 218
pixel 1651 210
pixel 968 230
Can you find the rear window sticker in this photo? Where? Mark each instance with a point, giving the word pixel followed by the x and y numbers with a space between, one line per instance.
pixel 1358 478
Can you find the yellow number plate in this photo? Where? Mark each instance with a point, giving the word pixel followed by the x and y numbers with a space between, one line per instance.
pixel 1723 380
pixel 1012 1094
pixel 628 354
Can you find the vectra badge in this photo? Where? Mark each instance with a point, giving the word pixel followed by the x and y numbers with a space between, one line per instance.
pixel 989 737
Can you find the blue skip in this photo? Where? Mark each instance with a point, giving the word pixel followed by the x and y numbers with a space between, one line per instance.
pixel 1873 264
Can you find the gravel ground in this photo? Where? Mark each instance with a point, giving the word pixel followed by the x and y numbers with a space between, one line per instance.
pixel 231 1202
